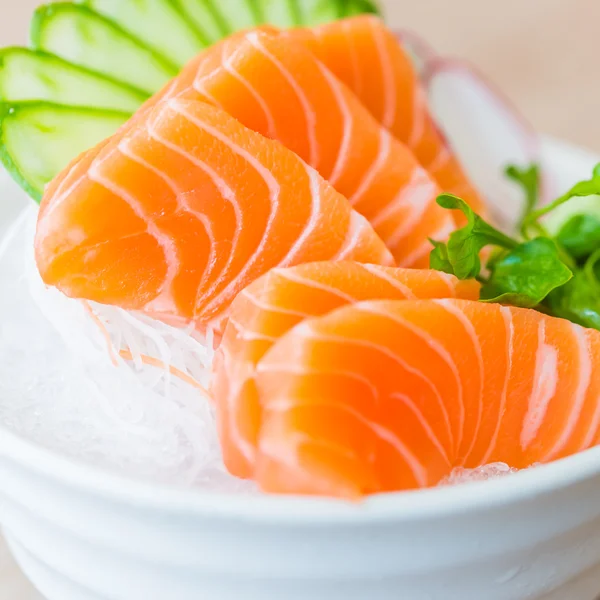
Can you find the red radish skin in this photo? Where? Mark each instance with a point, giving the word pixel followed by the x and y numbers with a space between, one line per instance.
pixel 420 49
pixel 523 135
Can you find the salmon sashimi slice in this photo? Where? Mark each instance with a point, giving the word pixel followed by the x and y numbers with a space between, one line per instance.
pixel 185 207
pixel 350 399
pixel 278 301
pixel 184 81
pixel 370 60
pixel 279 89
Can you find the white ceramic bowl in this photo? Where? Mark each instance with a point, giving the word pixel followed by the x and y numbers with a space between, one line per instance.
pixel 84 534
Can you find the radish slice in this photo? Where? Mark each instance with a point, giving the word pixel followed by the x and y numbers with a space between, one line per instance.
pixel 486 132
pixel 421 52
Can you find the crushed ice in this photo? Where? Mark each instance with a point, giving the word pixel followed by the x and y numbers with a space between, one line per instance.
pixel 483 473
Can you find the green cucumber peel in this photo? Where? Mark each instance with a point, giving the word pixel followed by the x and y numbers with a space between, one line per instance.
pixel 44 121
pixel 30 75
pixel 93 37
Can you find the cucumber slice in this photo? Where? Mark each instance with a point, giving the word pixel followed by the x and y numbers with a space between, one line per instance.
pixel 34 75
pixel 206 19
pixel 358 7
pixel 83 37
pixel 217 18
pixel 315 12
pixel 39 139
pixel 158 23
pixel 238 14
pixel 282 13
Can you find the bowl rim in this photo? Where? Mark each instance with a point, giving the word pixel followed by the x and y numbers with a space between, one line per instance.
pixel 441 502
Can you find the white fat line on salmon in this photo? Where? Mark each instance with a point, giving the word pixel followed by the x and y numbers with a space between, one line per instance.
pixel 441 160
pixel 290 275
pixel 420 117
pixel 226 193
pixel 418 469
pixel 247 334
pixel 454 310
pixel 356 227
pixel 348 124
pixel 584 379
pixel 207 96
pixel 169 89
pixel 124 147
pixel 58 192
pixel 200 79
pixel 306 330
pixel 291 367
pixel 387 72
pixel 57 200
pixel 416 195
pixel 311 119
pixel 267 306
pixel 385 144
pixel 313 222
pixel 379 430
pixel 509 347
pixel 180 194
pixel 374 308
pixel 283 450
pixel 233 71
pixel 76 234
pixel 319 35
pixel 381 273
pixel 164 300
pixel 357 86
pixel 448 279
pixel 425 247
pixel 198 84
pixel 433 438
pixel 272 185
pixel 592 432
pixel 545 381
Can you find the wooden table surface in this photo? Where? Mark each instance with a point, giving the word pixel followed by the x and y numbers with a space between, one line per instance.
pixel 542 53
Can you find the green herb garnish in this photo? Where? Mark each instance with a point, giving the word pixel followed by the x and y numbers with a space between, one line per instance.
pixel 526 275
pixel 557 274
pixel 529 180
pixel 580 236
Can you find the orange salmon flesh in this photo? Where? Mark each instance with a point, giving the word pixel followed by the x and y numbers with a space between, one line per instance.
pixel 282 191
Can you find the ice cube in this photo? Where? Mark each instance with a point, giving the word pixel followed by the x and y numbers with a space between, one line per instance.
pixel 489 471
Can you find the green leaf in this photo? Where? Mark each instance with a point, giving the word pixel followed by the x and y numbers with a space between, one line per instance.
pixel 438 259
pixel 526 274
pixel 589 187
pixel 529 179
pixel 580 235
pixel 465 244
pixel 579 300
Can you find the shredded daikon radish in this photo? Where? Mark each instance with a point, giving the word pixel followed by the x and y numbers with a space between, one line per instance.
pixel 114 389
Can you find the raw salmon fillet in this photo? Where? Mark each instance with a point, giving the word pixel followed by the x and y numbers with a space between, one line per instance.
pixel 278 88
pixel 273 305
pixel 182 209
pixel 388 395
pixel 369 59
